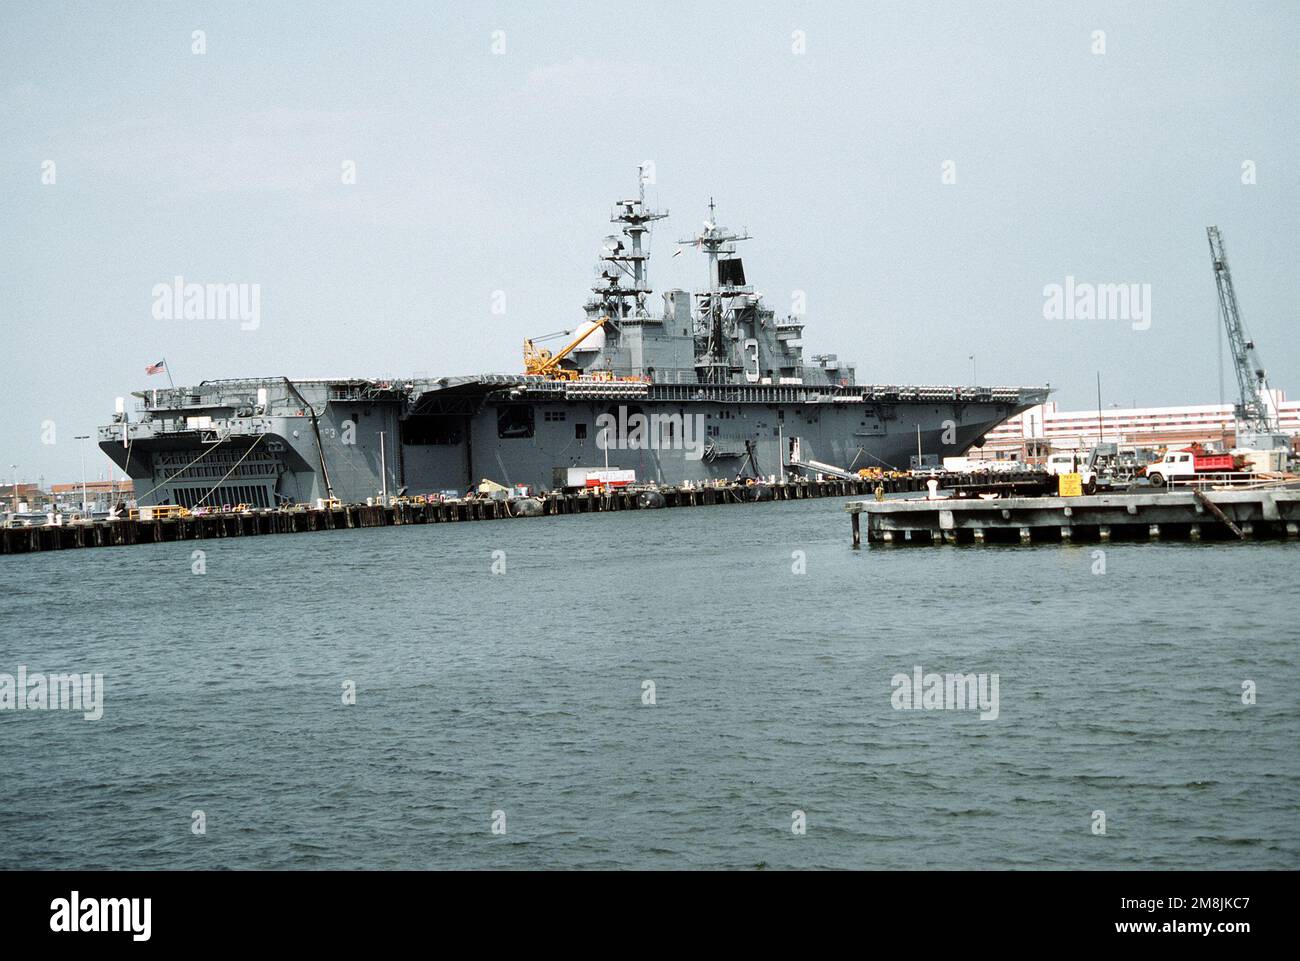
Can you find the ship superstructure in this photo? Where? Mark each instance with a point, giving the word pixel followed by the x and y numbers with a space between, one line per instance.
pixel 714 385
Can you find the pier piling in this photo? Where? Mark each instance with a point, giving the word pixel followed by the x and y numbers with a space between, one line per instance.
pixel 104 533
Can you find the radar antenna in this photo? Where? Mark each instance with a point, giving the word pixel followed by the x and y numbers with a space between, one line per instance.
pixel 621 271
pixel 715 318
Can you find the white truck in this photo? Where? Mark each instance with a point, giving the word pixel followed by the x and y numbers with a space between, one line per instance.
pixel 1071 463
pixel 1189 463
pixel 574 478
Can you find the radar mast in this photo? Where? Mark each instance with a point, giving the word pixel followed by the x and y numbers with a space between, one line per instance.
pixel 715 319
pixel 622 283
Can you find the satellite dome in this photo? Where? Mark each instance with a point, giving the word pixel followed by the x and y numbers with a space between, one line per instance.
pixel 595 342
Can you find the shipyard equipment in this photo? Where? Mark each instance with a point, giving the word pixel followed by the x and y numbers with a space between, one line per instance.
pixel 539 360
pixel 1257 424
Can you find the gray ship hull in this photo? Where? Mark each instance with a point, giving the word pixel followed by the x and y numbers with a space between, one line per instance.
pixel 448 435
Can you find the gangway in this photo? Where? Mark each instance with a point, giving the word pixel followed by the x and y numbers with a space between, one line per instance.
pixel 817 467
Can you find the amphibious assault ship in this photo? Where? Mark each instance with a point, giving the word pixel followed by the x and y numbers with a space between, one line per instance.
pixel 714 385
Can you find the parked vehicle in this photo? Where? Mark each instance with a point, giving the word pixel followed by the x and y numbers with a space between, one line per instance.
pixel 1069 463
pixel 576 478
pixel 1119 463
pixel 1191 461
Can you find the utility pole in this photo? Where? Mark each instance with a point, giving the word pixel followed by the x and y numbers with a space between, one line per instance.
pixel 1101 427
pixel 83 469
pixel 1219 329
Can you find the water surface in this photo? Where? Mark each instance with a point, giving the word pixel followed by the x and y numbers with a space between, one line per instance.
pixel 521 692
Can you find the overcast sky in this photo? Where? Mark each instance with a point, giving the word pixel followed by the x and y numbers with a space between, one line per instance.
pixel 489 141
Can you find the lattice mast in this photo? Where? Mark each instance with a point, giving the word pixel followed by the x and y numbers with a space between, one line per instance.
pixel 715 319
pixel 622 283
pixel 1253 412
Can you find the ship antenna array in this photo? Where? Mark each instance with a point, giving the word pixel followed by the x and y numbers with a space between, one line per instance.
pixel 635 218
pixel 715 240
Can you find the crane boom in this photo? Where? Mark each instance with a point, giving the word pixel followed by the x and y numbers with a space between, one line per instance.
pixel 539 360
pixel 1252 409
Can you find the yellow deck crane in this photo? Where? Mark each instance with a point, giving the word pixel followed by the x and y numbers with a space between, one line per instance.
pixel 539 360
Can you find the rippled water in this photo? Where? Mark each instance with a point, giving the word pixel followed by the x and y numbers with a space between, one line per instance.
pixel 521 692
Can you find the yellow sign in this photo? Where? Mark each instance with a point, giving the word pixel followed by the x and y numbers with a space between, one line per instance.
pixel 1069 485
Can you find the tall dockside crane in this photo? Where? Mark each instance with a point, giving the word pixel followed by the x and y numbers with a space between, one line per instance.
pixel 1257 425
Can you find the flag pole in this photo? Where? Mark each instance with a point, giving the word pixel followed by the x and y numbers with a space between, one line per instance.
pixel 168 367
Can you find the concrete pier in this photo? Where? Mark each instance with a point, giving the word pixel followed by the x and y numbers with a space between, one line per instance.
pixel 1158 516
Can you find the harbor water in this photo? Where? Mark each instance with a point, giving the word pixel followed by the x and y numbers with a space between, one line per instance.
pixel 712 688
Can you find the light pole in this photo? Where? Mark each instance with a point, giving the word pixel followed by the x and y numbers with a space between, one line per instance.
pixel 974 380
pixel 83 469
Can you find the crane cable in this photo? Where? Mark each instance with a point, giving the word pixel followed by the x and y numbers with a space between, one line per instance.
pixel 232 469
pixel 202 454
pixel 862 450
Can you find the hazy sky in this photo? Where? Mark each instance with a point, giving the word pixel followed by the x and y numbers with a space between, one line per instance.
pixel 481 171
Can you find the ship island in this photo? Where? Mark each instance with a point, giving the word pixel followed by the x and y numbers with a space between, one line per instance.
pixel 712 387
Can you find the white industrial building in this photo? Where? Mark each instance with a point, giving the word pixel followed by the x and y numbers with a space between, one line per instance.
pixel 1045 427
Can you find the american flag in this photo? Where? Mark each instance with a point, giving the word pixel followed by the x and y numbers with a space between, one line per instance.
pixel 157 368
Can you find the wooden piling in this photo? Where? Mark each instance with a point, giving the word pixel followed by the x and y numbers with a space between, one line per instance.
pixel 26 539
